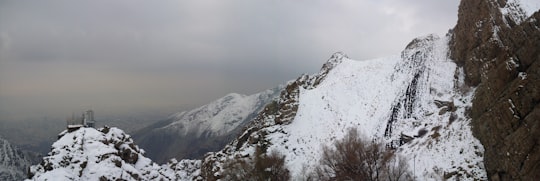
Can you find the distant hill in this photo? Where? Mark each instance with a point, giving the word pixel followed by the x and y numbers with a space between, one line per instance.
pixel 191 134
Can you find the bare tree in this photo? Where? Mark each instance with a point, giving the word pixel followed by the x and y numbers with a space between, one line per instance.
pixel 397 169
pixel 353 158
pixel 270 167
pixel 237 169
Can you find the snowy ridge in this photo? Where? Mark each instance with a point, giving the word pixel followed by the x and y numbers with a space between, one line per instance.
pixel 191 134
pixel 221 116
pixel 107 153
pixel 276 113
pixel 385 99
pixel 13 162
pixel 519 10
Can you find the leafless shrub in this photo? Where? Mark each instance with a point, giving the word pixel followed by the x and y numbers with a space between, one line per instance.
pixel 397 169
pixel 353 158
pixel 269 167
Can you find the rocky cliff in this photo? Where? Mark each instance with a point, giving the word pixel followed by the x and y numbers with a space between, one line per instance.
pixel 498 44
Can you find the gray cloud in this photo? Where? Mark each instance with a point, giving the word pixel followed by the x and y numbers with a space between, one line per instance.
pixel 130 55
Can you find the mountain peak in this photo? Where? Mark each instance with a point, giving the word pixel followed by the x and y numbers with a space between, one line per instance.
pixel 385 99
pixel 190 134
pixel 97 154
pixel 334 60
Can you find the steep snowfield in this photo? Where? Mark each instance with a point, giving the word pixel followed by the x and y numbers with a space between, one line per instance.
pixel 108 153
pixel 351 94
pixel 361 94
pixel 387 99
pixel 221 116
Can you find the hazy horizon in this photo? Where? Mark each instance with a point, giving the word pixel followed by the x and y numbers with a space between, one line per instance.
pixel 125 58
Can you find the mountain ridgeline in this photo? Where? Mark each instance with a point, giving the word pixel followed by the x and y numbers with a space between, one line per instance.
pixel 464 106
pixel 191 134
pixel 415 104
pixel 14 162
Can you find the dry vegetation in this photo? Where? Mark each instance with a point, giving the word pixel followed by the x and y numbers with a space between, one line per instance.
pixel 351 158
pixel 354 158
pixel 269 167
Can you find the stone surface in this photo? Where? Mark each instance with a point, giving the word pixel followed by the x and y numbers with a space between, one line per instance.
pixel 502 58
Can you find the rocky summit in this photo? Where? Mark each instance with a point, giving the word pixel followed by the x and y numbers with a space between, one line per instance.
pixel 104 154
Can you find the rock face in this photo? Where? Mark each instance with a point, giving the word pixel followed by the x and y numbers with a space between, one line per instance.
pixel 498 44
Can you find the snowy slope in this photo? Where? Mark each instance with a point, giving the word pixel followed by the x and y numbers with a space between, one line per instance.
pixel 190 134
pixel 221 116
pixel 107 153
pixel 13 162
pixel 384 98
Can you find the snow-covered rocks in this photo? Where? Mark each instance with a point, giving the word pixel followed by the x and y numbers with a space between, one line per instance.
pixel 13 161
pixel 107 153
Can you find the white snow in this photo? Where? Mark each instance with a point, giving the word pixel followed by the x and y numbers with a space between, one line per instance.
pixel 13 162
pixel 511 64
pixel 221 116
pixel 90 154
pixel 519 10
pixel 361 94
pixel 522 75
pixel 383 98
pixel 326 112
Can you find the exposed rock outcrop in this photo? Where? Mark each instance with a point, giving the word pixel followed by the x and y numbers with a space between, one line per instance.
pixel 498 46
pixel 104 154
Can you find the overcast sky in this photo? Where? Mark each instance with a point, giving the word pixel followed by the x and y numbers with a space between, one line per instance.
pixel 125 56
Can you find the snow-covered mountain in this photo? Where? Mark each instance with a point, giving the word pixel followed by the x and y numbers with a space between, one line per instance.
pixel 465 106
pixel 221 116
pixel 14 163
pixel 104 154
pixel 424 105
pixel 385 99
pixel 191 134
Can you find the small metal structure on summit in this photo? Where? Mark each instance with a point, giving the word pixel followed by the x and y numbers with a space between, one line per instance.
pixel 86 120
